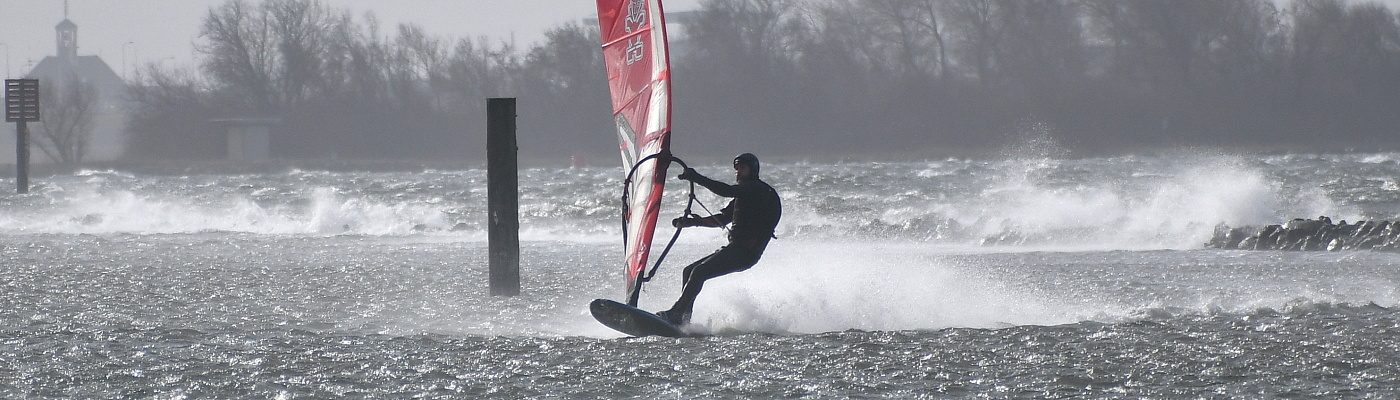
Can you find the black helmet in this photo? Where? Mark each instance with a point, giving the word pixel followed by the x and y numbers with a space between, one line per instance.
pixel 748 159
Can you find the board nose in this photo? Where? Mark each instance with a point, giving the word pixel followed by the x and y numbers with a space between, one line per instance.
pixel 598 307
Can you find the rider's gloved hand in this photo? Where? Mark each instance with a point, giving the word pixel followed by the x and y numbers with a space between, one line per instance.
pixel 682 222
pixel 688 175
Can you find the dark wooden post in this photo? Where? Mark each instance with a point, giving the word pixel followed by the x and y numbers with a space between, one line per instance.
pixel 22 158
pixel 503 197
pixel 21 107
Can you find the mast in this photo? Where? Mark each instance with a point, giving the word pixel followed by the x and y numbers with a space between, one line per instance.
pixel 639 78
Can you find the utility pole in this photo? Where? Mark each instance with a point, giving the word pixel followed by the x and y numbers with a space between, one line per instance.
pixel 133 46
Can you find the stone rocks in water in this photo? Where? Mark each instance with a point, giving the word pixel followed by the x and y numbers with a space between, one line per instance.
pixel 1335 245
pixel 1234 237
pixel 1299 224
pixel 1270 238
pixel 1012 238
pixel 1249 243
pixel 1227 238
pixel 1364 228
pixel 1319 234
pixel 1369 242
pixel 1347 230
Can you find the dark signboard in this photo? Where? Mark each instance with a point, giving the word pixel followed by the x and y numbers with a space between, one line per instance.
pixel 21 100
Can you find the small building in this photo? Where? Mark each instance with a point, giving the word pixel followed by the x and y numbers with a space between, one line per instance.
pixel 249 138
pixel 68 65
pixel 108 140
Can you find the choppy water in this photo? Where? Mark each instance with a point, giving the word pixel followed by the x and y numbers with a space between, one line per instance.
pixel 311 283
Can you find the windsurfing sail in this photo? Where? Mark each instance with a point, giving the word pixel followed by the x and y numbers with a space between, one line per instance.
pixel 639 78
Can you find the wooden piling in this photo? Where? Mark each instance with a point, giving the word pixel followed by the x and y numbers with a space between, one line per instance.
pixel 503 197
pixel 22 158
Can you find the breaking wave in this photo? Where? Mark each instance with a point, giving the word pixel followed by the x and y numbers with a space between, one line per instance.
pixel 1030 198
pixel 89 211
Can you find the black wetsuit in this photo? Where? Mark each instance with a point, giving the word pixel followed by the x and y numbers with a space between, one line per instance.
pixel 754 214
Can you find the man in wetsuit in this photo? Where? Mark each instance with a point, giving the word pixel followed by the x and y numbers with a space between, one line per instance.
pixel 752 216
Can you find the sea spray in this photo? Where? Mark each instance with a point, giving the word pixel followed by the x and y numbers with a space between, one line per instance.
pixel 812 288
pixel 1041 202
pixel 332 214
pixel 1134 205
pixel 91 210
pixel 809 287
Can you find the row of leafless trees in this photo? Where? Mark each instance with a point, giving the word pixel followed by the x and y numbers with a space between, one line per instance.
pixel 881 75
pixel 340 86
pixel 806 76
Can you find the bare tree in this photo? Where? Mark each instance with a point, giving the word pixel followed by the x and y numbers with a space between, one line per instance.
pixel 240 53
pixel 300 30
pixel 424 58
pixel 1041 51
pixel 1250 44
pixel 478 69
pixel 271 55
pixel 745 52
pixel 929 17
pixel 170 116
pixel 979 33
pixel 67 120
pixel 566 76
pixel 912 26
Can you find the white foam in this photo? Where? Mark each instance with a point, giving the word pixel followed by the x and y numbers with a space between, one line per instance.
pixel 332 214
pixel 106 172
pixel 811 288
pixel 1174 209
pixel 1378 158
pixel 824 287
pixel 87 210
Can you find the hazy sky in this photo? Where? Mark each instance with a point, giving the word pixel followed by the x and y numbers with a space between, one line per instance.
pixel 163 31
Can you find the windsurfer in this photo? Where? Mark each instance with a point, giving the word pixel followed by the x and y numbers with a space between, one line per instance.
pixel 752 217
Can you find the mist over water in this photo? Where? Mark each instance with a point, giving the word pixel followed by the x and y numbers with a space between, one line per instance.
pixel 938 273
pixel 1129 202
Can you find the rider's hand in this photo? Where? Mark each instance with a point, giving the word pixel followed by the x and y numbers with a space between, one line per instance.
pixel 681 222
pixel 688 175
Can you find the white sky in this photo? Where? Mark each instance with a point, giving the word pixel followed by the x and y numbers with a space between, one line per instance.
pixel 163 31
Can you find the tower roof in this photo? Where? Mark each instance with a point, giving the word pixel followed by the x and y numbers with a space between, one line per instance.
pixel 66 24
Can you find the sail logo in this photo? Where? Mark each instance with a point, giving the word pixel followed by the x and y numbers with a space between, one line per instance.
pixel 636 18
pixel 635 50
pixel 636 15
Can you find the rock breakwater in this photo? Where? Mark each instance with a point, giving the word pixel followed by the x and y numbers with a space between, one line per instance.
pixel 1319 234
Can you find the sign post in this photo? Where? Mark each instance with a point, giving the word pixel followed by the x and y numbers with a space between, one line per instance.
pixel 22 107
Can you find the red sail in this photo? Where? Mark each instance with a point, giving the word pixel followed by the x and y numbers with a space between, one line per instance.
pixel 639 77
